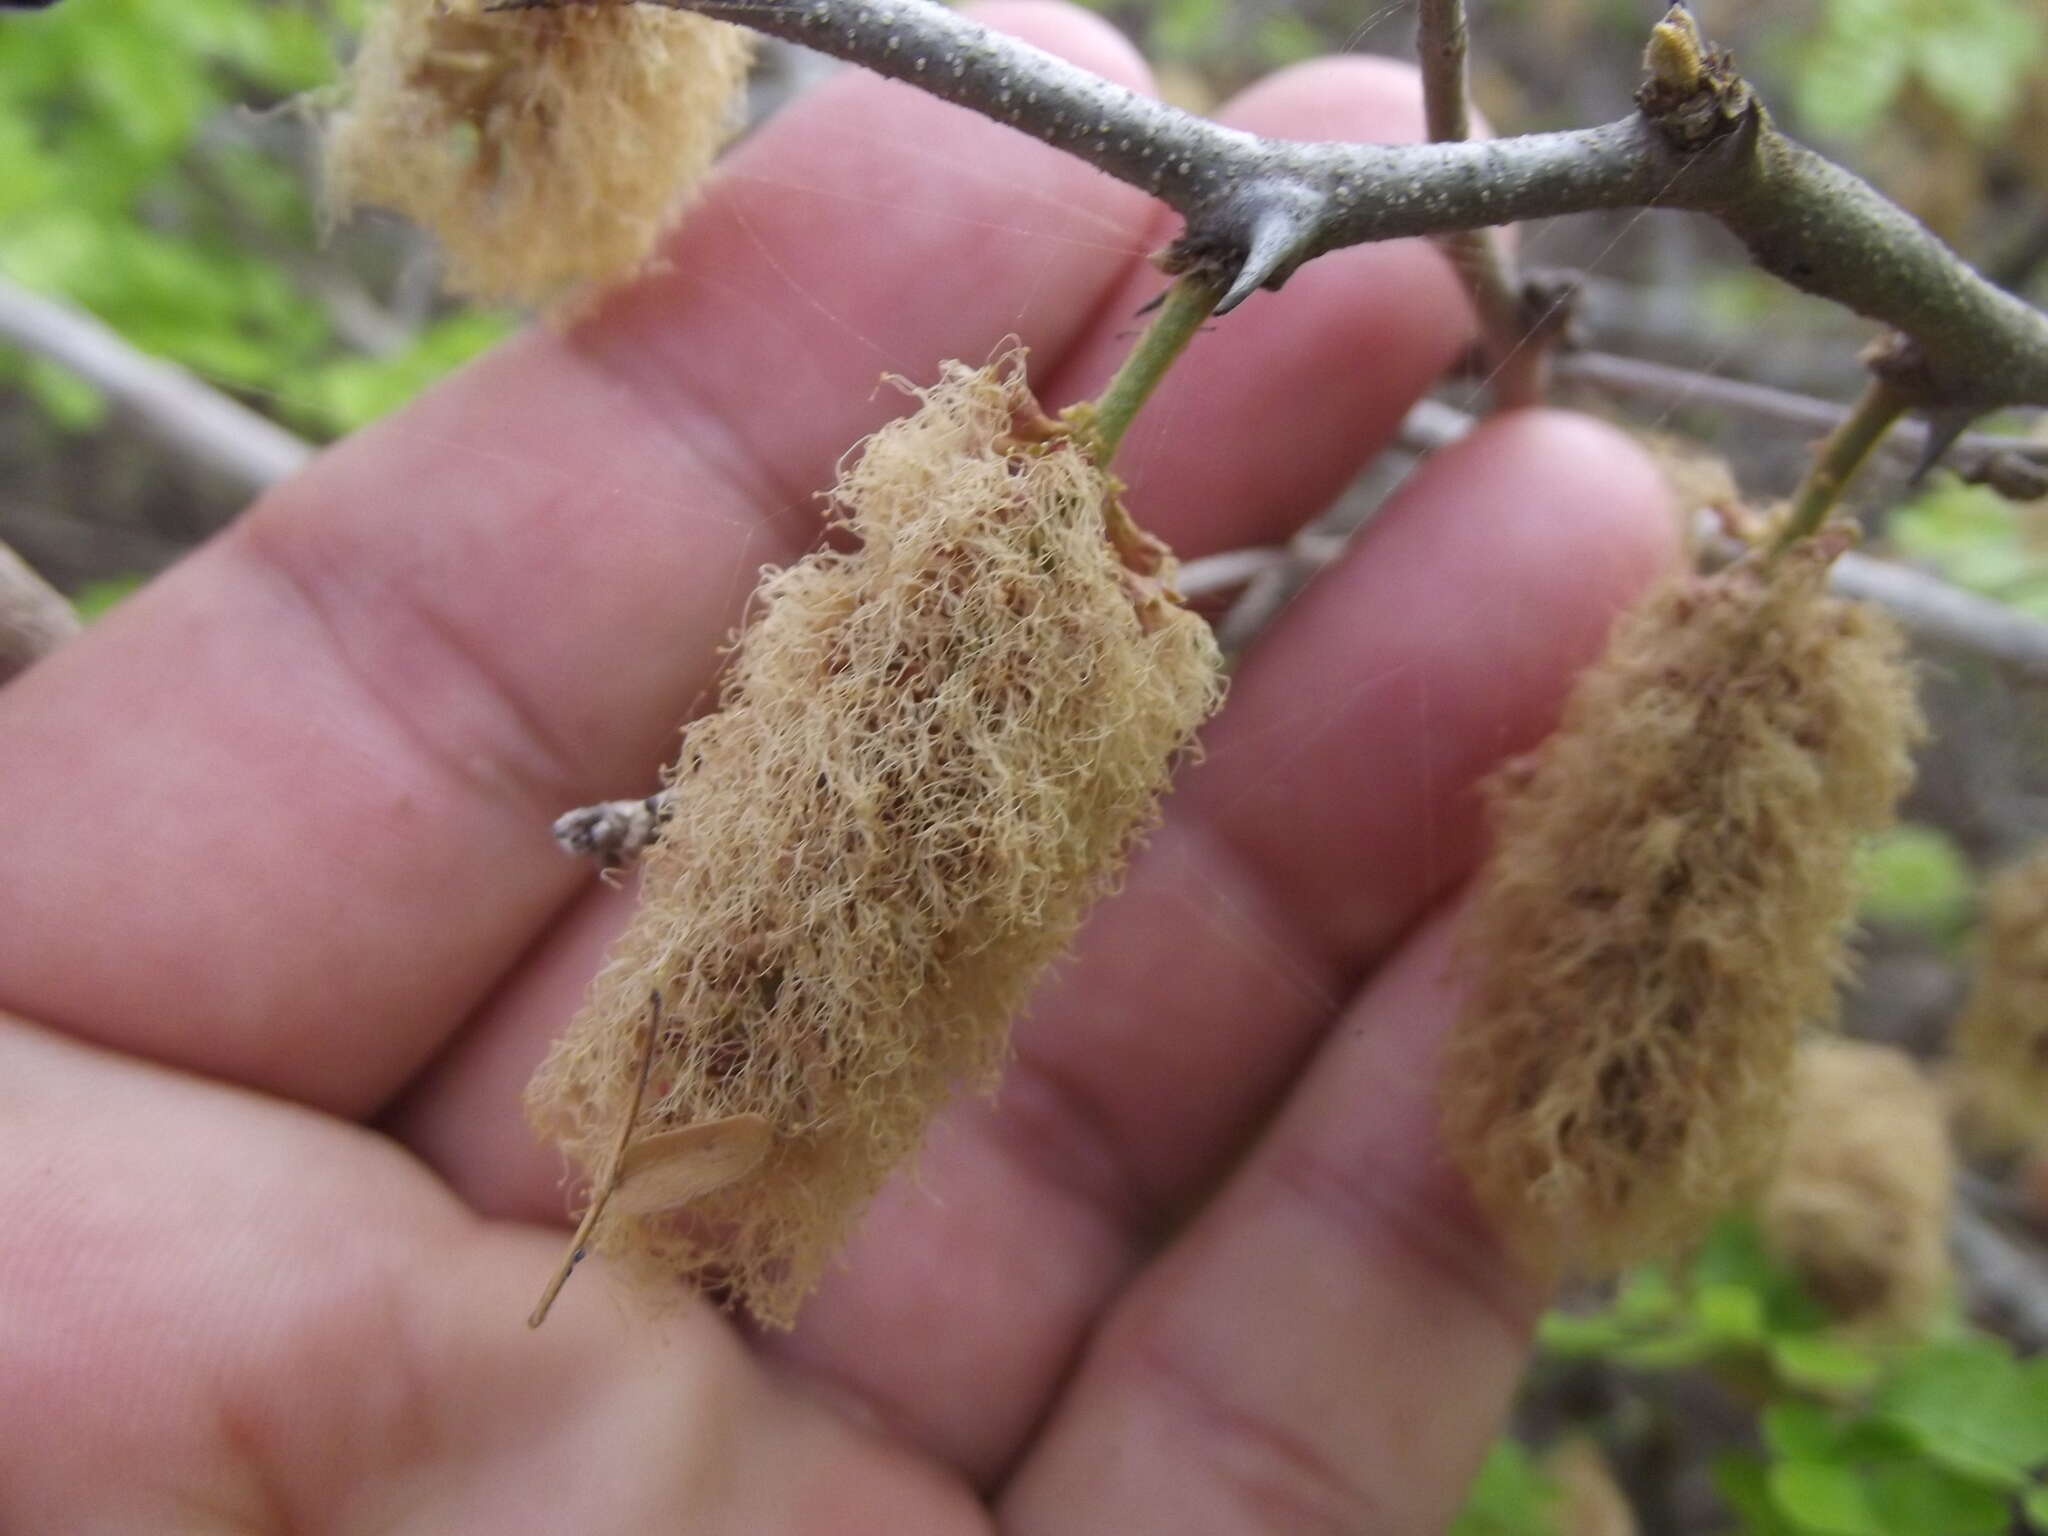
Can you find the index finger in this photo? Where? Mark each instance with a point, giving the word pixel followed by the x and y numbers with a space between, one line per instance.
pixel 283 818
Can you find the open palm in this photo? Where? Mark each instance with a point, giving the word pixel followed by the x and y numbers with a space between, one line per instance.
pixel 279 897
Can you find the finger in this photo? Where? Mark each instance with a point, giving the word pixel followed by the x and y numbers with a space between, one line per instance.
pixel 1337 806
pixel 1278 401
pixel 1275 408
pixel 308 775
pixel 234 1306
pixel 1330 1347
pixel 1443 643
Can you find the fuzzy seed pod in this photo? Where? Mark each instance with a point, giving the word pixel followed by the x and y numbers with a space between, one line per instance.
pixel 1589 1500
pixel 933 752
pixel 1664 907
pixel 1858 1206
pixel 547 149
pixel 2001 1041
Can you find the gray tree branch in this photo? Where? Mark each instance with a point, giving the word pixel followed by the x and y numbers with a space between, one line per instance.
pixel 1515 359
pixel 1257 208
pixel 185 415
pixel 2016 466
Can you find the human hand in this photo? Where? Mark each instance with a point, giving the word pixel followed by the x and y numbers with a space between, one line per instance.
pixel 281 896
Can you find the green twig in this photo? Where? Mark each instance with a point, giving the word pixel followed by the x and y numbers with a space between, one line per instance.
pixel 1186 306
pixel 1835 464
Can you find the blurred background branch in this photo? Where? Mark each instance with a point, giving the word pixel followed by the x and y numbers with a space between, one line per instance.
pixel 175 331
pixel 166 403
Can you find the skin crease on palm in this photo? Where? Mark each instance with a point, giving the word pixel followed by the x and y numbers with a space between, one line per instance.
pixel 280 897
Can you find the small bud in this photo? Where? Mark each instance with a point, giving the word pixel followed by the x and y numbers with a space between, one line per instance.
pixel 2001 1041
pixel 1589 1500
pixel 546 148
pixel 1674 56
pixel 1664 909
pixel 934 751
pixel 1858 1207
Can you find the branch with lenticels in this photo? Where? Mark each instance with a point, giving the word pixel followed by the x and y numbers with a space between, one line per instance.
pixel 1257 208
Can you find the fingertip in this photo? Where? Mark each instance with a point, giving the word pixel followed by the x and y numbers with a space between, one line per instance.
pixel 1078 36
pixel 1353 98
pixel 1581 485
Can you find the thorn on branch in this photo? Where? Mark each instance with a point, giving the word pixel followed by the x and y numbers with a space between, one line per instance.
pixel 1254 241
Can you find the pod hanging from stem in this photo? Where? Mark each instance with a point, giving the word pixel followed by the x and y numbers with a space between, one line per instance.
pixel 933 752
pixel 546 148
pixel 1664 909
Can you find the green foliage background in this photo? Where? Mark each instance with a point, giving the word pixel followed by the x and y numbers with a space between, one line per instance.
pixel 158 175
pixel 157 157
pixel 1947 1437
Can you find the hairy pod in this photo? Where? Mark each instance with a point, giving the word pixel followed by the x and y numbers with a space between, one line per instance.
pixel 546 148
pixel 934 750
pixel 1664 909
pixel 1590 1502
pixel 1858 1206
pixel 2001 1040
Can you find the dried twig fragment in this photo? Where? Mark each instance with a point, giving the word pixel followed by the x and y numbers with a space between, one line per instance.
pixel 933 752
pixel 34 617
pixel 546 148
pixel 1664 909
pixel 1859 1204
pixel 612 831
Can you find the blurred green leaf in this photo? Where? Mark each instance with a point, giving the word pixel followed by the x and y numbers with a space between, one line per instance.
pixel 1729 1314
pixel 1734 1254
pixel 1823 1497
pixel 1510 1497
pixel 1916 1498
pixel 1915 876
pixel 1572 1334
pixel 68 399
pixel 354 391
pixel 1284 38
pixel 2035 1506
pixel 1798 1431
pixel 1854 67
pixel 94 598
pixel 1646 1294
pixel 1973 1408
pixel 1743 1481
pixel 1976 61
pixel 1181 28
pixel 157 177
pixel 1972 56
pixel 1972 535
pixel 1817 1362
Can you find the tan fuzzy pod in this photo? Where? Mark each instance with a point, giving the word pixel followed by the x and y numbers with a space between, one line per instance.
pixel 1858 1205
pixel 1589 1500
pixel 547 149
pixel 933 752
pixel 1664 907
pixel 2001 1040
